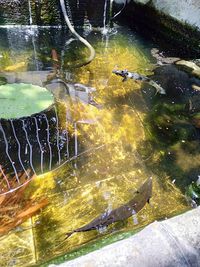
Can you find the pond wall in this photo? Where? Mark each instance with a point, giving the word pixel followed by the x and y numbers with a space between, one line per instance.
pixel 176 22
pixel 184 11
pixel 48 12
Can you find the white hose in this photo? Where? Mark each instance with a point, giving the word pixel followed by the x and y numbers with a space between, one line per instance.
pixel 125 3
pixel 81 39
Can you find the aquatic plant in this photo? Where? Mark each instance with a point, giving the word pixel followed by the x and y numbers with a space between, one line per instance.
pixel 16 207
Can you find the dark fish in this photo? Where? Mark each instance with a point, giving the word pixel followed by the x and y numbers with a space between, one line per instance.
pixel 125 211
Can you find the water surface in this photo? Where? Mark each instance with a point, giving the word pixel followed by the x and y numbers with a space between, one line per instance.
pixel 122 140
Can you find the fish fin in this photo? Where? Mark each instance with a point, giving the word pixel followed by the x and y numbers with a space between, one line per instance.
pixel 150 203
pixel 69 234
pixel 124 79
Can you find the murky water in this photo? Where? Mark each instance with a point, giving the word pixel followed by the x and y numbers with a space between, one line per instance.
pixel 129 134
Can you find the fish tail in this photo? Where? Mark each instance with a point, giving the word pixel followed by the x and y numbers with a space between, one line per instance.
pixel 158 88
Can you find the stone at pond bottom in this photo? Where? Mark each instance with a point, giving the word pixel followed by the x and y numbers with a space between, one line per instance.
pixel 190 67
pixel 20 100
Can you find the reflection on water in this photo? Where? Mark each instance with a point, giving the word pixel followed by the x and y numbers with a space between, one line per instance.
pixel 115 138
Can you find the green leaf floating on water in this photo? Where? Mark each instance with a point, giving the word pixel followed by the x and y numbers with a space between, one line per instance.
pixel 20 100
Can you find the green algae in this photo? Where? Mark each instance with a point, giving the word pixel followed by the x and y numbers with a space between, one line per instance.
pixel 91 246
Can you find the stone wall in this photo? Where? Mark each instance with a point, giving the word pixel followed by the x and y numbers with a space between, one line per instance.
pixel 19 12
pixel 13 11
pixel 183 10
pixel 48 12
pixel 175 22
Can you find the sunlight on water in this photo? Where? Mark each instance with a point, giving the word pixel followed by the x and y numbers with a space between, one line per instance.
pixel 109 173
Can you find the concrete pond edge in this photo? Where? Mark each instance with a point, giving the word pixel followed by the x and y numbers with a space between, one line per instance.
pixel 174 242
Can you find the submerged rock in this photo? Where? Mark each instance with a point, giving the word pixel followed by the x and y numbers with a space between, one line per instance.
pixel 177 83
pixel 172 116
pixel 190 67
pixel 161 58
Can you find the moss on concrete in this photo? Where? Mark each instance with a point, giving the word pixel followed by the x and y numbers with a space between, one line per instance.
pixel 48 12
pixel 182 36
pixel 14 12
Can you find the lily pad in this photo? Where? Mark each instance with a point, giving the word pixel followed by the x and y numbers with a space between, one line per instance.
pixel 20 100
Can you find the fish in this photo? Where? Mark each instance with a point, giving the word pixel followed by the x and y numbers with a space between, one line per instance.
pixel 142 196
pixel 138 77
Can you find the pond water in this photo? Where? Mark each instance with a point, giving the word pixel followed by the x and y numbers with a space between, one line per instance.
pixel 126 134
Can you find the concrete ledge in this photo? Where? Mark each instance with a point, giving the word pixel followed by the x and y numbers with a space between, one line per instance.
pixel 158 22
pixel 174 242
pixel 184 11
